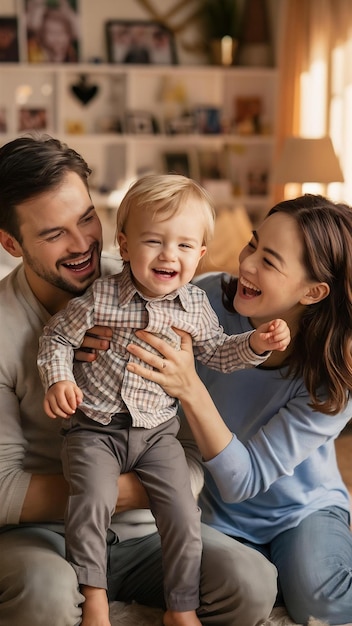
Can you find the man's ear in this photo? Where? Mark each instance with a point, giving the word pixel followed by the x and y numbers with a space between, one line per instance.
pixel 316 293
pixel 122 241
pixel 10 244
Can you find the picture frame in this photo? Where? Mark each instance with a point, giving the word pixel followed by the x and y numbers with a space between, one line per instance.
pixel 248 115
pixel 139 42
pixel 9 42
pixel 182 161
pixel 140 123
pixel 3 119
pixel 50 31
pixel 32 118
pixel 257 181
pixel 212 164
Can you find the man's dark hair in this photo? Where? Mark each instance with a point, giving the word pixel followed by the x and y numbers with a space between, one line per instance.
pixel 30 166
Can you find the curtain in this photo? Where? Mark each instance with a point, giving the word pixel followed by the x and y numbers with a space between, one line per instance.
pixel 315 80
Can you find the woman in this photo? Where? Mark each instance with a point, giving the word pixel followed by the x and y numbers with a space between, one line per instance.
pixel 266 435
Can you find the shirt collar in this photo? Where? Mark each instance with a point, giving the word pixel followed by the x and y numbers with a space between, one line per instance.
pixel 128 291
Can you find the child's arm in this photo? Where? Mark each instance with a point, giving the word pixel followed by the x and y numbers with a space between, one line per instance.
pixel 62 399
pixel 274 335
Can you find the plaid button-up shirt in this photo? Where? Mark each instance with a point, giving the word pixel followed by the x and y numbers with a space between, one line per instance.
pixel 108 387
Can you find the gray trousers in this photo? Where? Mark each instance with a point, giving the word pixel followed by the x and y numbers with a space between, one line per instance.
pixel 38 587
pixel 93 457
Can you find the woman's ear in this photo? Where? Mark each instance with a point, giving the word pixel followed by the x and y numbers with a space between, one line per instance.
pixel 316 293
pixel 122 241
pixel 10 244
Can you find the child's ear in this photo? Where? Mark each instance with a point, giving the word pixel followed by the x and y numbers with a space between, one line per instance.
pixel 122 241
pixel 202 251
pixel 10 244
pixel 316 293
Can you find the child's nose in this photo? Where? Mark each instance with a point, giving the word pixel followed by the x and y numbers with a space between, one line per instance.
pixel 168 252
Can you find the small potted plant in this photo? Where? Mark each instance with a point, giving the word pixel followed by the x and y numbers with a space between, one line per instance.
pixel 221 22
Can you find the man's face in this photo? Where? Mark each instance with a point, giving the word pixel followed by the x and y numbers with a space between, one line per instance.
pixel 61 242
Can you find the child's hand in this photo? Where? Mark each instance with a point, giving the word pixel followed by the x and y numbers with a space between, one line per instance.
pixel 62 399
pixel 274 335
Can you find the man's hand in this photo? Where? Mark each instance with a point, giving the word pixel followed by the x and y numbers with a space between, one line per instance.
pixel 96 338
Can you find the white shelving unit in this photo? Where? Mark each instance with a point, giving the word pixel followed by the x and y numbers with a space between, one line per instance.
pixel 118 146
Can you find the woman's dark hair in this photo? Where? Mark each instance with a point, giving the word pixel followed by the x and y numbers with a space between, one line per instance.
pixel 322 348
pixel 30 166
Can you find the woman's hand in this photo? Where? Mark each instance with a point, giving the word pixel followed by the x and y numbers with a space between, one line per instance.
pixel 174 369
pixel 95 339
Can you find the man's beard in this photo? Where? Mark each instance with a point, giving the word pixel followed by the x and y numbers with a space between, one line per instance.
pixel 56 280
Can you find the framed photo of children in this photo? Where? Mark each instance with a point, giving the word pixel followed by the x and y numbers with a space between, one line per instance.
pixel 50 30
pixel 9 48
pixel 141 42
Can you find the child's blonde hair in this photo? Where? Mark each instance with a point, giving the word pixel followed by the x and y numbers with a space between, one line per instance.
pixel 166 194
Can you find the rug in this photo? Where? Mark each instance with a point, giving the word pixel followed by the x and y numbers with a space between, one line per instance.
pixel 122 614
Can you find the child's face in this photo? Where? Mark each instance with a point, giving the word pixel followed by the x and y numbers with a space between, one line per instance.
pixel 163 252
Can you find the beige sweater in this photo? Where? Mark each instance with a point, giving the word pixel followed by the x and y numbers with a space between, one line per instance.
pixel 29 440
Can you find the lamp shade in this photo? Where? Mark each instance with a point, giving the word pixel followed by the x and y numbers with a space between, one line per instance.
pixel 308 160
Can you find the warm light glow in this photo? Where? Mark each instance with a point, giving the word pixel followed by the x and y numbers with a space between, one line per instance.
pixel 313 102
pixel 347 143
pixel 226 50
pixel 23 93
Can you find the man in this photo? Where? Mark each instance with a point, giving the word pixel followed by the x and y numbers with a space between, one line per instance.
pixel 47 218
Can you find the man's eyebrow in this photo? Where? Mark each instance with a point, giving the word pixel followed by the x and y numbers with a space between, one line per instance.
pixel 47 231
pixel 269 250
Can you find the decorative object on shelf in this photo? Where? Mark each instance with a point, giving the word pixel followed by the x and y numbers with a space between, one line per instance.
pixel 184 124
pixel 140 123
pixel 308 160
pixel 221 23
pixel 75 127
pixel 208 120
pixel 83 90
pixel 109 124
pixel 177 18
pixel 141 42
pixel 254 47
pixel 9 50
pixel 51 30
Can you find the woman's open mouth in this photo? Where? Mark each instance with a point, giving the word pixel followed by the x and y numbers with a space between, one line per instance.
pixel 248 289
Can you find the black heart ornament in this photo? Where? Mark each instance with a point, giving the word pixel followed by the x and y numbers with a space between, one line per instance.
pixel 84 91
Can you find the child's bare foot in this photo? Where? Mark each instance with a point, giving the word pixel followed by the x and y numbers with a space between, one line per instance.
pixel 184 618
pixel 95 608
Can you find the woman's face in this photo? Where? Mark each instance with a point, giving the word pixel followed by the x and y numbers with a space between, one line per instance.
pixel 272 277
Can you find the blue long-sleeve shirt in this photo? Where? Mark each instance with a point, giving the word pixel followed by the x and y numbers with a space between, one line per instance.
pixel 280 465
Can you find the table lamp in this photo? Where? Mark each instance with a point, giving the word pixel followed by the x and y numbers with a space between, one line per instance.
pixel 308 160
